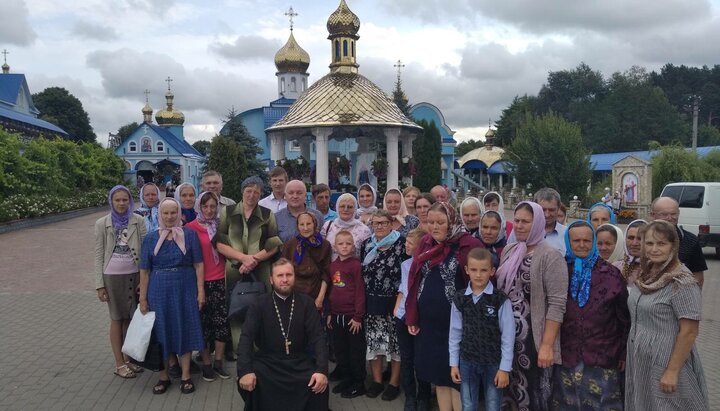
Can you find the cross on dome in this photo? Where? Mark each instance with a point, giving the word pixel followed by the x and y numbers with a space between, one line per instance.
pixel 399 67
pixel 291 13
pixel 168 80
pixel 5 52
pixel 146 92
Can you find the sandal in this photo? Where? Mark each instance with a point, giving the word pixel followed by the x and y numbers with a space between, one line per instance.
pixel 187 386
pixel 161 387
pixel 124 371
pixel 134 367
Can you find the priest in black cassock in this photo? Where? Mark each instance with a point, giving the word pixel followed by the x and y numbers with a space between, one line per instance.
pixel 284 326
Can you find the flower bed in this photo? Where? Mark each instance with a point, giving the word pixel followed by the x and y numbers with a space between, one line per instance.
pixel 19 206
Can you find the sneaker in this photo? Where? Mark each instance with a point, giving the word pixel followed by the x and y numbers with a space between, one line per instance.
pixel 342 386
pixel 174 371
pixel 391 392
pixel 355 391
pixel 220 370
pixel 374 390
pixel 207 373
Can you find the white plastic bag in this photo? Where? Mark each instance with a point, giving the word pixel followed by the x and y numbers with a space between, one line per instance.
pixel 138 335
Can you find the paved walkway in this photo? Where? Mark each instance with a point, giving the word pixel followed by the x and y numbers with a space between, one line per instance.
pixel 54 349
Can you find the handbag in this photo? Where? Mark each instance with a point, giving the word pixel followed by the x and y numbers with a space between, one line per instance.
pixel 243 295
pixel 138 334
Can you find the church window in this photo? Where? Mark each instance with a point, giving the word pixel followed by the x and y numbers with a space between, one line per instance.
pixel 282 85
pixel 160 146
pixel 352 48
pixel 293 84
pixel 304 84
pixel 337 50
pixel 145 145
pixel 344 48
pixel 132 147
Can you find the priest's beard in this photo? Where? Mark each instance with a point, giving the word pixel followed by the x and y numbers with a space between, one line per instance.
pixel 283 290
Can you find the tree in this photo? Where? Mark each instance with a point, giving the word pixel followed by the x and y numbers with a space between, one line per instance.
pixel 548 151
pixel 57 105
pixel 124 132
pixel 228 157
pixel 467 146
pixel 400 98
pixel 427 152
pixel 512 118
pixel 235 130
pixel 568 92
pixel 202 146
pixel 674 163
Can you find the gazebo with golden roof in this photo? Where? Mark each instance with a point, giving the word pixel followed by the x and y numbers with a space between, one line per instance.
pixel 344 104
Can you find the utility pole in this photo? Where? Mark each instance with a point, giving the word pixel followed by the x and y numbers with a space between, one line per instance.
pixel 696 110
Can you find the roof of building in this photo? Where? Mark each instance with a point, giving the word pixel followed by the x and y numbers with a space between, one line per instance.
pixel 30 120
pixel 342 99
pixel 605 161
pixel 180 145
pixel 481 158
pixel 291 58
pixel 9 87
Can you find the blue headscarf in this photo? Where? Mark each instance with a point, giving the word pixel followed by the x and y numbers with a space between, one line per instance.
pixel 150 214
pixel 373 246
pixel 598 205
pixel 582 269
pixel 120 221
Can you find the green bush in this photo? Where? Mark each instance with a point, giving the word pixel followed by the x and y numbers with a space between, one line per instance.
pixel 20 206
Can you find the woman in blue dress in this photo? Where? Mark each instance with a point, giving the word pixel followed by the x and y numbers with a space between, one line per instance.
pixel 172 285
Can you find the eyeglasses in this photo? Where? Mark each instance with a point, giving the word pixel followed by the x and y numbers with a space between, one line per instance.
pixel 380 224
pixel 666 215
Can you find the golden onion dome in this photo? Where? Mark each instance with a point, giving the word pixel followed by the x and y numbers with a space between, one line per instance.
pixel 147 110
pixel 291 58
pixel 170 117
pixel 490 133
pixel 343 21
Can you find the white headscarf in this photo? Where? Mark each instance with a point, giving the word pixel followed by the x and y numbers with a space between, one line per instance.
pixel 619 250
pixel 403 208
pixel 365 210
pixel 467 201
pixel 501 205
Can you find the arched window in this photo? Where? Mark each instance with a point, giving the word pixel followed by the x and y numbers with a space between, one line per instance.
pixel 304 84
pixel 132 147
pixel 145 145
pixel 337 50
pixel 344 48
pixel 160 146
pixel 282 85
pixel 352 47
pixel 293 84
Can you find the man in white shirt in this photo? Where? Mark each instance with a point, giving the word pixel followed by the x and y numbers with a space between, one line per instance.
pixel 276 200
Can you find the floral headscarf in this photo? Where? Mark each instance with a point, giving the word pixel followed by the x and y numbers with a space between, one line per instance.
pixel 176 230
pixel 582 267
pixel 210 223
pixel 120 221
pixel 314 241
pixel 651 278
pixel 149 213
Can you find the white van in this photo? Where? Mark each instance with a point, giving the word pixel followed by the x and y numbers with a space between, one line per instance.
pixel 699 210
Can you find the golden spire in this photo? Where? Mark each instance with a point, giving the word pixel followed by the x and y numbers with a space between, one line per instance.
pixel 291 58
pixel 169 117
pixel 343 26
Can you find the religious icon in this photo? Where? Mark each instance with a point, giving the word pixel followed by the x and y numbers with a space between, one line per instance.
pixel 629 184
pixel 146 146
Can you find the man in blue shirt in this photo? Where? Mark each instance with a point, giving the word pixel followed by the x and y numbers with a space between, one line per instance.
pixel 286 218
pixel 549 200
pixel 321 198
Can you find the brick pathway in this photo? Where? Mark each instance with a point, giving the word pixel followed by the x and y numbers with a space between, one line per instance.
pixel 54 349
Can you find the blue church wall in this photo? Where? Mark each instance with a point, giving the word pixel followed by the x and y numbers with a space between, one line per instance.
pixel 254 122
pixel 430 113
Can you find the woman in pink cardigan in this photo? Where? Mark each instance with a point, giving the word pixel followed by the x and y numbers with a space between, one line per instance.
pixel 528 268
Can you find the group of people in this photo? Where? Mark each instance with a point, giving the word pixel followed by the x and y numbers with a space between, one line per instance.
pixel 530 314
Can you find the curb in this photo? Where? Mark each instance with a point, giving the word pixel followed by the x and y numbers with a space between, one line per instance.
pixel 47 219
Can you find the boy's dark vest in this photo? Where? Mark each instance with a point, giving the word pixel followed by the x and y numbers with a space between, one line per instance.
pixel 481 327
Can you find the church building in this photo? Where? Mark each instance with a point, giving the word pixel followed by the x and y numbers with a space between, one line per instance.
pixel 159 152
pixel 18 114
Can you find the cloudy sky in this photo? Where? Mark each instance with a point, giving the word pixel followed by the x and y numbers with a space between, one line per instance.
pixel 468 57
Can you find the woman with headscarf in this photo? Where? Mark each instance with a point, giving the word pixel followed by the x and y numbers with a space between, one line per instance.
pixel 492 235
pixel 172 284
pixel 185 195
pixel 594 332
pixel 610 242
pixel 422 207
pixel 118 237
pixel 148 210
pixel 411 194
pixel 534 276
pixel 470 212
pixel 346 207
pixel 493 201
pixel 663 366
pixel 394 203
pixel 248 237
pixel 381 256
pixel 600 214
pixel 437 272
pixel 367 197
pixel 629 266
pixel 310 255
pixel 214 315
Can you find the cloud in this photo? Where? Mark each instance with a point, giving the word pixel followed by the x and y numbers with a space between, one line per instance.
pixel 15 25
pixel 247 47
pixel 92 31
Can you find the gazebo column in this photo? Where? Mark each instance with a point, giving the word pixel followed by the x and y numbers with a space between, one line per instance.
pixel 501 182
pixel 277 147
pixel 321 155
pixel 391 146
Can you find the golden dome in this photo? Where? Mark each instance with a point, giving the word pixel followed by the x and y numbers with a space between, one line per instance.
pixel 490 133
pixel 291 58
pixel 147 109
pixel 341 99
pixel 488 155
pixel 343 21
pixel 169 117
